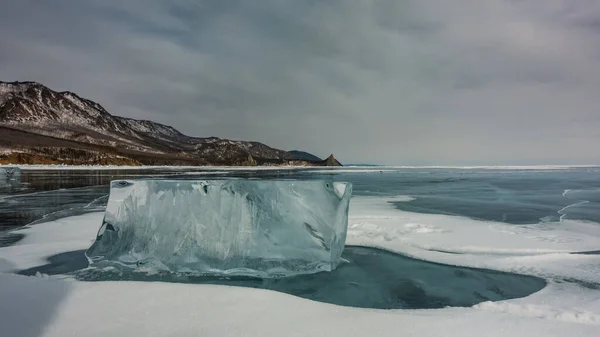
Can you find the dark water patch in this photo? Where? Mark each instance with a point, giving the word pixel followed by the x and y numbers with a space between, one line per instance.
pixel 518 212
pixel 591 252
pixel 22 209
pixel 9 238
pixel 372 278
pixel 505 196
pixel 511 196
pixel 445 251
pixel 42 192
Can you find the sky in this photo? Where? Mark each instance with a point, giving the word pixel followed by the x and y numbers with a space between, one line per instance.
pixel 399 82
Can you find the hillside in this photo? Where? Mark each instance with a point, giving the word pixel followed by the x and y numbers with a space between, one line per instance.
pixel 39 125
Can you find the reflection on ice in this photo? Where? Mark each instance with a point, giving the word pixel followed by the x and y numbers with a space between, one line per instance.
pixel 267 228
pixel 10 172
pixel 9 176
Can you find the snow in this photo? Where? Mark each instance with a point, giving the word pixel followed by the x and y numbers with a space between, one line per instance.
pixel 557 312
pixel 54 306
pixel 49 238
pixel 80 104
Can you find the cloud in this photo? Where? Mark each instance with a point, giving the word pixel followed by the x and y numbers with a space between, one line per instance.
pixel 384 81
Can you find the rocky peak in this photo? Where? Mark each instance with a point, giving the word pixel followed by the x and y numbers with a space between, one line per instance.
pixel 331 161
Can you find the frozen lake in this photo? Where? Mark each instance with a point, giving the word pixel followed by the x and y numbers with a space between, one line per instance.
pixel 512 196
pixel 419 238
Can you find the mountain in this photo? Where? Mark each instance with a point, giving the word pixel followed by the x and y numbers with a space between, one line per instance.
pixel 301 155
pixel 331 161
pixel 39 125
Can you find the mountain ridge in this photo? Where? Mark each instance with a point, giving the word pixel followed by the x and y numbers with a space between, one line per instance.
pixel 98 135
pixel 302 155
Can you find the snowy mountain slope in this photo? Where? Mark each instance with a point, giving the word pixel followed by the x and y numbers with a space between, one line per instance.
pixel 34 108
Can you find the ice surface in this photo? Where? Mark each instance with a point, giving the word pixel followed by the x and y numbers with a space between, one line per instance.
pixel 35 306
pixel 10 172
pixel 266 228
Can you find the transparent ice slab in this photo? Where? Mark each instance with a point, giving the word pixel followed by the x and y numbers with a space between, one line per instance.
pixel 263 228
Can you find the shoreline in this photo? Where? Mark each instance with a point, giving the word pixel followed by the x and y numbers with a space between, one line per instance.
pixel 381 168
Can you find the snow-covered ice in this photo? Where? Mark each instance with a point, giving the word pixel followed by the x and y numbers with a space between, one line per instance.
pixel 266 228
pixel 568 306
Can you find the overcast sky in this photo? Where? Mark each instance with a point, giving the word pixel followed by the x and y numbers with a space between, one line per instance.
pixel 372 81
